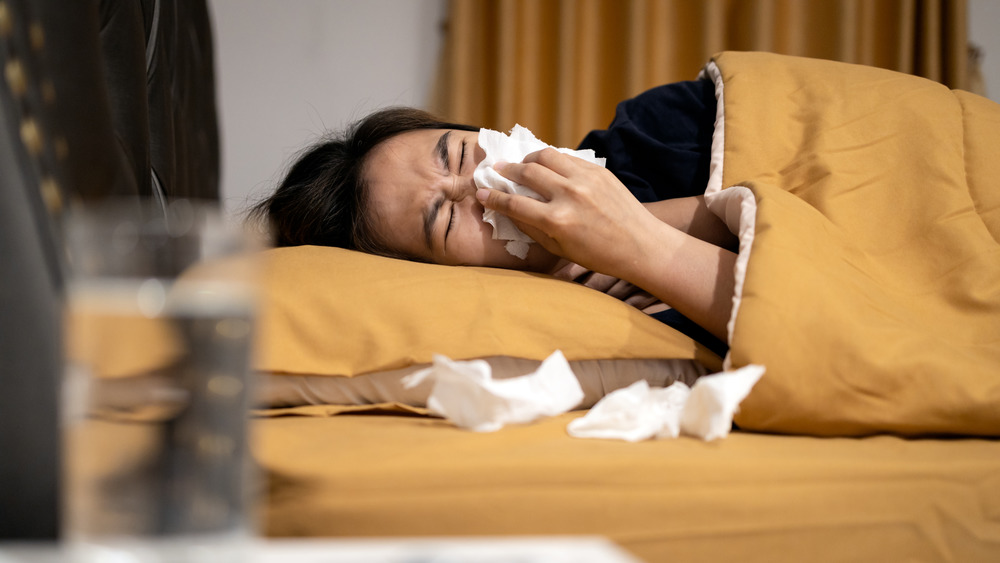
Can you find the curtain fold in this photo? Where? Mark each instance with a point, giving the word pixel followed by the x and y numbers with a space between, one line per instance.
pixel 559 67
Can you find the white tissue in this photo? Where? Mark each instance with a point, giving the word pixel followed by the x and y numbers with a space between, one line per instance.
pixel 638 412
pixel 634 413
pixel 466 393
pixel 513 148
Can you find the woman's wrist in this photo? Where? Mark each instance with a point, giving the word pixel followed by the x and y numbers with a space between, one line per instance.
pixel 689 274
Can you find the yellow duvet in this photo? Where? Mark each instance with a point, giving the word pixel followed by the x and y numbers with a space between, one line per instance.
pixel 868 207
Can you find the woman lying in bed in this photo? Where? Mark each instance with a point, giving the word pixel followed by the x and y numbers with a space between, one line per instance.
pixel 399 183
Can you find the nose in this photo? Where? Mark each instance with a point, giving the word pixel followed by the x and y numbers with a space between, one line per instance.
pixel 464 195
pixel 470 186
pixel 463 187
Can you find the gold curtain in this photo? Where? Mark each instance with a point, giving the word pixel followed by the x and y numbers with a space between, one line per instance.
pixel 559 67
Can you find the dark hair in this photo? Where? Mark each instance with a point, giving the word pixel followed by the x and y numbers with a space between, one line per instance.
pixel 323 199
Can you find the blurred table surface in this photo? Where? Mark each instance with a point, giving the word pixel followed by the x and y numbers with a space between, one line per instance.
pixel 519 549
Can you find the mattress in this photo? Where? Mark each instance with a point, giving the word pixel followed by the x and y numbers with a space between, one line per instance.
pixel 755 497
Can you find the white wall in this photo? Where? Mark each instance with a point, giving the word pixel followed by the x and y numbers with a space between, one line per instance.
pixel 984 25
pixel 289 69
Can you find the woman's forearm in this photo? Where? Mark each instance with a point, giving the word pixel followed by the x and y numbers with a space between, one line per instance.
pixel 693 276
pixel 692 216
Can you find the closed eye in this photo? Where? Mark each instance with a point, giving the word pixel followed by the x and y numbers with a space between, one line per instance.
pixel 461 160
pixel 451 223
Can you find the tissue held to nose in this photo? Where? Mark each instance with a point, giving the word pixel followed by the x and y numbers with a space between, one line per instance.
pixel 512 148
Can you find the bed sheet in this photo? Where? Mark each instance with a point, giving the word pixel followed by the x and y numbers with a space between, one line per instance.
pixel 752 497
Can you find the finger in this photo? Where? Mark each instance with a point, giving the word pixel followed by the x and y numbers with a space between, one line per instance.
pixel 539 236
pixel 517 207
pixel 571 271
pixel 621 289
pixel 559 162
pixel 542 180
pixel 564 164
pixel 598 281
pixel 525 212
pixel 641 300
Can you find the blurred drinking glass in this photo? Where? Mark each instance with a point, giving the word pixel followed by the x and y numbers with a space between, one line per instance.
pixel 159 322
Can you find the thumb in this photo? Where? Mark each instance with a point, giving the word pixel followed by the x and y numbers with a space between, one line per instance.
pixel 517 207
pixel 525 212
pixel 492 199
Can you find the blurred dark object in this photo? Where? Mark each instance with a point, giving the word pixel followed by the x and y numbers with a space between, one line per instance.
pixel 98 98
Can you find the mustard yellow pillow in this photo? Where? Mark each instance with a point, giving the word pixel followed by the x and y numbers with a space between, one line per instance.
pixel 334 312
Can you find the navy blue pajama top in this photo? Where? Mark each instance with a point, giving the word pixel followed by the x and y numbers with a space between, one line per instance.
pixel 659 145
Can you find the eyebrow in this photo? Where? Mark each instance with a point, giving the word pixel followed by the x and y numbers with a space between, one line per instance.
pixel 441 151
pixel 430 215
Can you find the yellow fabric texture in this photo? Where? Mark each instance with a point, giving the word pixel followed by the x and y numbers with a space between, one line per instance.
pixel 328 311
pixel 872 293
pixel 119 346
pixel 750 497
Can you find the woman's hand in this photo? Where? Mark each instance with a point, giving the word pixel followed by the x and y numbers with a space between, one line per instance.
pixel 588 217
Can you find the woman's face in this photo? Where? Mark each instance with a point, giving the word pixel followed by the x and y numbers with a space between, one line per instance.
pixel 424 202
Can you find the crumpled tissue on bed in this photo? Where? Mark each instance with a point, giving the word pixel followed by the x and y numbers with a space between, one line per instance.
pixel 638 412
pixel 466 393
pixel 513 148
